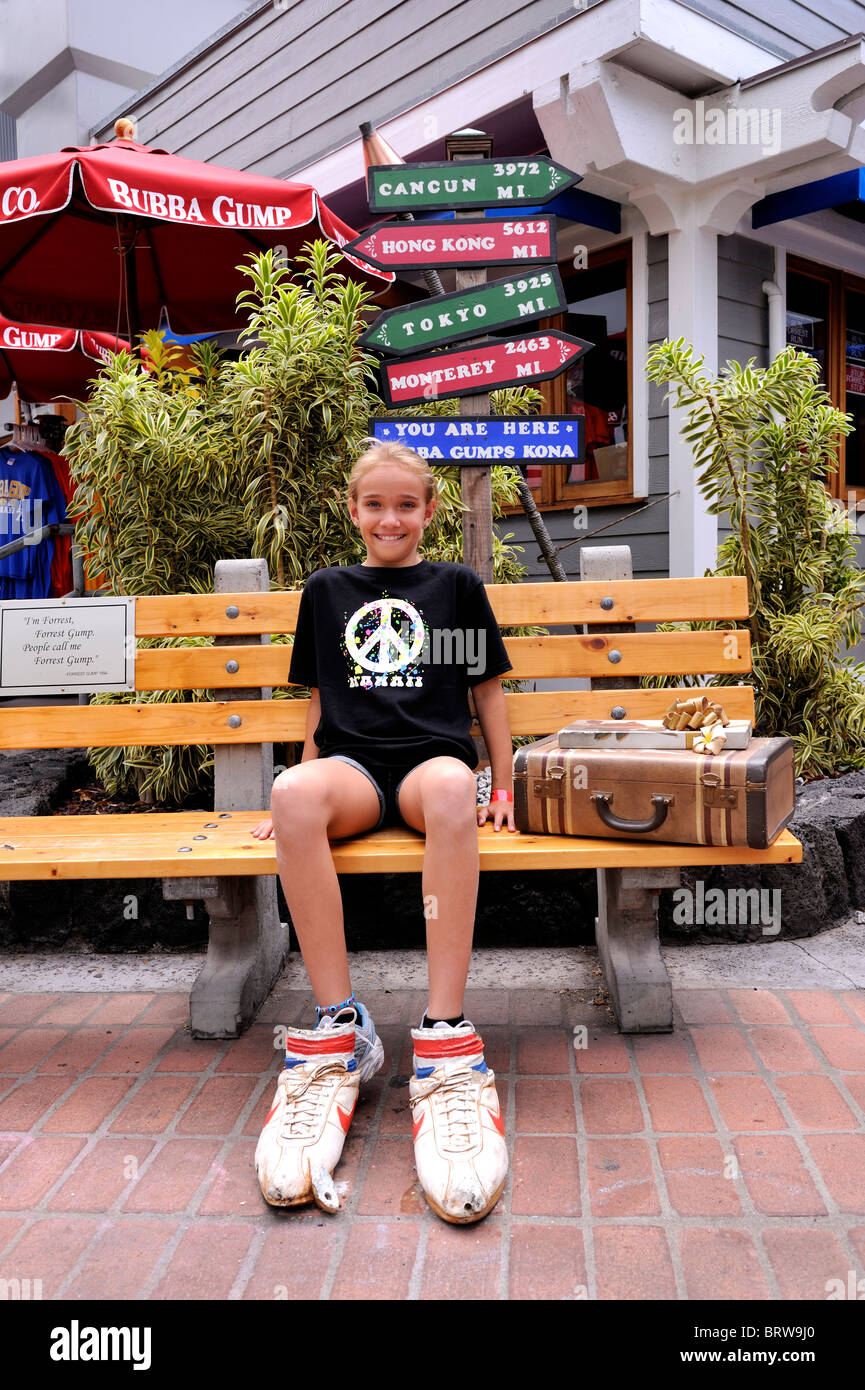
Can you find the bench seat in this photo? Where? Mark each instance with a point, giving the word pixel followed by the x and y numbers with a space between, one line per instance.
pixel 149 846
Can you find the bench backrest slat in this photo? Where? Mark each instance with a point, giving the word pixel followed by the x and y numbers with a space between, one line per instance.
pixel 278 721
pixel 515 605
pixel 533 658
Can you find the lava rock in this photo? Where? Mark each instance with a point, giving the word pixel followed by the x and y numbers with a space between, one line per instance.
pixel 826 887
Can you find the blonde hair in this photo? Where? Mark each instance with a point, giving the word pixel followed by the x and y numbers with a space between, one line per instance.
pixel 379 451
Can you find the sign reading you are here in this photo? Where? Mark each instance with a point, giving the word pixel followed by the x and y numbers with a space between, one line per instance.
pixel 481 440
pixel 66 646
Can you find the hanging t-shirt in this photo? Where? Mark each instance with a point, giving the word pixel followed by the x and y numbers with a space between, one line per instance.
pixel 61 564
pixel 25 479
pixel 393 651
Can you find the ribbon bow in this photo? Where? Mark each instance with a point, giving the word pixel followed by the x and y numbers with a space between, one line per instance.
pixel 698 713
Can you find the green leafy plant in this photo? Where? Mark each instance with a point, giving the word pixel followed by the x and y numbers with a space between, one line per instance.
pixel 765 440
pixel 177 466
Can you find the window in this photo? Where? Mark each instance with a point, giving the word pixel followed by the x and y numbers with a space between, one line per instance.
pixel 598 387
pixel 826 318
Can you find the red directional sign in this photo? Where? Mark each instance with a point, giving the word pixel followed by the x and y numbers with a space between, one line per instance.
pixel 501 362
pixel 438 245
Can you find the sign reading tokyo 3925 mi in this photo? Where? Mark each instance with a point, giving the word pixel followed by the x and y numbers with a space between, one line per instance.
pixel 475 183
pixel 448 318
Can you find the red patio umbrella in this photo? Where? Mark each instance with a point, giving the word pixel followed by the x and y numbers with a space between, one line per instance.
pixel 94 227
pixel 46 361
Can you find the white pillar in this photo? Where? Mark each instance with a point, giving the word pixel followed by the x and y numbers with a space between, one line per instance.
pixel 692 306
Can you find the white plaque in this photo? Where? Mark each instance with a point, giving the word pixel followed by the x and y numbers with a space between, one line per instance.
pixel 66 646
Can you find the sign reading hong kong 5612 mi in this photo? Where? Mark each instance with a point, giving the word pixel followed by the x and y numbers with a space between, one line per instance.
pixel 476 183
pixel 438 245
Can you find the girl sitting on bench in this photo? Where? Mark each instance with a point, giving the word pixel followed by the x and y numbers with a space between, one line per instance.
pixel 389 649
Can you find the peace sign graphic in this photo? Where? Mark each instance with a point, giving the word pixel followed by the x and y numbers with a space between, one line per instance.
pixel 373 641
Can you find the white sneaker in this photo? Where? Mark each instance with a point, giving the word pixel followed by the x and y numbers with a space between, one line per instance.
pixel 304 1133
pixel 459 1134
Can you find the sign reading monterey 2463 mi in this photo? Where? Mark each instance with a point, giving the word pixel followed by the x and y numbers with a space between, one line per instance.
pixel 469 371
pixel 447 318
pixel 476 183
pixel 491 439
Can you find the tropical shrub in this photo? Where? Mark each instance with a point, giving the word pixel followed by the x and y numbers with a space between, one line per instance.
pixel 764 441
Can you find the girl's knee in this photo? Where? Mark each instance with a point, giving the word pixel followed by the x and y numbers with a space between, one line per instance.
pixel 450 791
pixel 295 798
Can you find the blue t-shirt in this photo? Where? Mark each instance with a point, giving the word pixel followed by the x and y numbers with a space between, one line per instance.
pixel 26 479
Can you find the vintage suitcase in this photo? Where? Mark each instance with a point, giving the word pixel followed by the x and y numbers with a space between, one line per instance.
pixel 739 797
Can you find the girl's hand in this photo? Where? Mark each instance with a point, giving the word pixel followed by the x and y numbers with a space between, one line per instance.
pixel 499 811
pixel 264 829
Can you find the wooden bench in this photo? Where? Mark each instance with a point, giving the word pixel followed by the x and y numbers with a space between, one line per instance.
pixel 212 856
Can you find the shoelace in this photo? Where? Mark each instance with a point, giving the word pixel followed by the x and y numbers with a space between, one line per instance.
pixel 304 1101
pixel 455 1098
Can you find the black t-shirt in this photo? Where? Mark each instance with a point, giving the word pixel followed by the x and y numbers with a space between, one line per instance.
pixel 393 652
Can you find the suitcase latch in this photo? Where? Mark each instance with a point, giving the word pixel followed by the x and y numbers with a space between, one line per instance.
pixel 553 786
pixel 715 794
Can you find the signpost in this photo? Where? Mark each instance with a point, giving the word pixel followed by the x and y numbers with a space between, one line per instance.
pixel 481 441
pixel 467 371
pixel 469 183
pixel 66 646
pixel 472 179
pixel 450 318
pixel 441 245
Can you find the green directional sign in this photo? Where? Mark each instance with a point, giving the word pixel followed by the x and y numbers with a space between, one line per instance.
pixel 449 318
pixel 476 183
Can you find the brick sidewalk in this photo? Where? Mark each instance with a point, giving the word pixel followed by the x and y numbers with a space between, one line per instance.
pixel 726 1160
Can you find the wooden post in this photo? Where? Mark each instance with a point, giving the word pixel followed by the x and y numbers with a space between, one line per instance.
pixel 476 483
pixel 247 943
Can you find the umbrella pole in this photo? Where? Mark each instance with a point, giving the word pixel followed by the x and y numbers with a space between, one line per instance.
pixel 127 239
pixel 133 310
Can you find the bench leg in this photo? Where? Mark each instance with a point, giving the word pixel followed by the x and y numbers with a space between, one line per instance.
pixel 630 950
pixel 245 954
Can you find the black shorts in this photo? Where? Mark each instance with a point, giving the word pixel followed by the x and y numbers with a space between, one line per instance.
pixel 387 782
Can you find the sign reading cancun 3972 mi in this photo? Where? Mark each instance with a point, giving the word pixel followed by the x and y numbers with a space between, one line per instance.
pixel 448 318
pixel 476 183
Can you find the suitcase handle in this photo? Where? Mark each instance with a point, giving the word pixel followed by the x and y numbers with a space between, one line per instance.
pixel 632 827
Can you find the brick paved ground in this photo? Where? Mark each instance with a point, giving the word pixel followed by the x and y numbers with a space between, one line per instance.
pixel 726 1160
